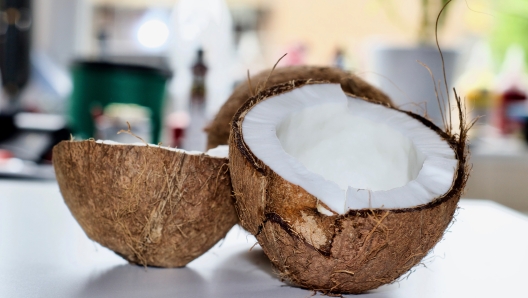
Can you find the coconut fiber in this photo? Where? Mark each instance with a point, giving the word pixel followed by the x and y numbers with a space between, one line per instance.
pixel 150 205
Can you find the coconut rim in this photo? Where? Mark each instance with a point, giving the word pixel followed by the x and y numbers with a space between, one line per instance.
pixel 457 144
pixel 219 152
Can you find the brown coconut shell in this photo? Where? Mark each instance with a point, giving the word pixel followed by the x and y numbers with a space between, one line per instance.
pixel 218 130
pixel 350 253
pixel 150 205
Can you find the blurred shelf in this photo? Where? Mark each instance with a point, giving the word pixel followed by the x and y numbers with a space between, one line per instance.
pixel 500 169
pixel 17 168
pixel 134 3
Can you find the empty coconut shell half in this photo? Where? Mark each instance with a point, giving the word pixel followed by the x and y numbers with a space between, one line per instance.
pixel 343 194
pixel 219 129
pixel 152 205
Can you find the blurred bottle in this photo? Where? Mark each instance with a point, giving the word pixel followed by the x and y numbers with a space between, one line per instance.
pixel 195 137
pixel 199 70
pixel 512 83
pixel 205 24
pixel 15 27
pixel 104 25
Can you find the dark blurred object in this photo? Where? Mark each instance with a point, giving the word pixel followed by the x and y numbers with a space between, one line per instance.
pixel 525 129
pixel 511 100
pixel 199 70
pixel 7 126
pixel 97 84
pixel 34 135
pixel 106 17
pixel 15 24
pixel 26 151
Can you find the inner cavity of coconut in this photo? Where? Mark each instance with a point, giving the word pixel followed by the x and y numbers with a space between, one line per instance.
pixel 350 149
pixel 347 152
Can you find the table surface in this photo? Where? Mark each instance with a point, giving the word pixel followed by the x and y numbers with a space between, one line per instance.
pixel 44 253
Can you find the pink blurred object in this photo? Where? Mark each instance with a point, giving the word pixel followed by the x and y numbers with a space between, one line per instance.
pixel 296 55
pixel 5 155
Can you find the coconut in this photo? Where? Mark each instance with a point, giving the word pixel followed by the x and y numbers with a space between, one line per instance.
pixel 218 130
pixel 152 205
pixel 344 195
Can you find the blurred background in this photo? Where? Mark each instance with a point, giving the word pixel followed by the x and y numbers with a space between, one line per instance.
pixel 84 68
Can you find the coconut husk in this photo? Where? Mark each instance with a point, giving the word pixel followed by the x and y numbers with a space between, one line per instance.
pixel 218 130
pixel 150 205
pixel 350 253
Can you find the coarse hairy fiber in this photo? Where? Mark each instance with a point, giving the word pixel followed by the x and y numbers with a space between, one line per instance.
pixel 150 205
pixel 350 253
pixel 219 129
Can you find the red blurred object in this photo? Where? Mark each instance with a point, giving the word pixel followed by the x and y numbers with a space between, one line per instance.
pixel 509 98
pixel 177 123
pixel 5 155
pixel 177 136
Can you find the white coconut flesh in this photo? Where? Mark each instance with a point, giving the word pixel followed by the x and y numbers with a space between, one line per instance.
pixel 347 152
pixel 221 151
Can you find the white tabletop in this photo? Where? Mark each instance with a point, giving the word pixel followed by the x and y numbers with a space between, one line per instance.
pixel 44 253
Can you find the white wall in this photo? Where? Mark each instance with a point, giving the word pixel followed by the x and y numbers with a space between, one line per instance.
pixel 54 29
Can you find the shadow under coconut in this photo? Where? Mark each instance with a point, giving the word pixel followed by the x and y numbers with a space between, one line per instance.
pixel 250 274
pixel 135 281
pixel 257 258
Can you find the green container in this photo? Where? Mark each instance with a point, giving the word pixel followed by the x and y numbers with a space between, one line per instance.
pixel 97 84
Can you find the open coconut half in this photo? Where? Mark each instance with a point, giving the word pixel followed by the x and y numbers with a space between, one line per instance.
pixel 343 194
pixel 152 205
